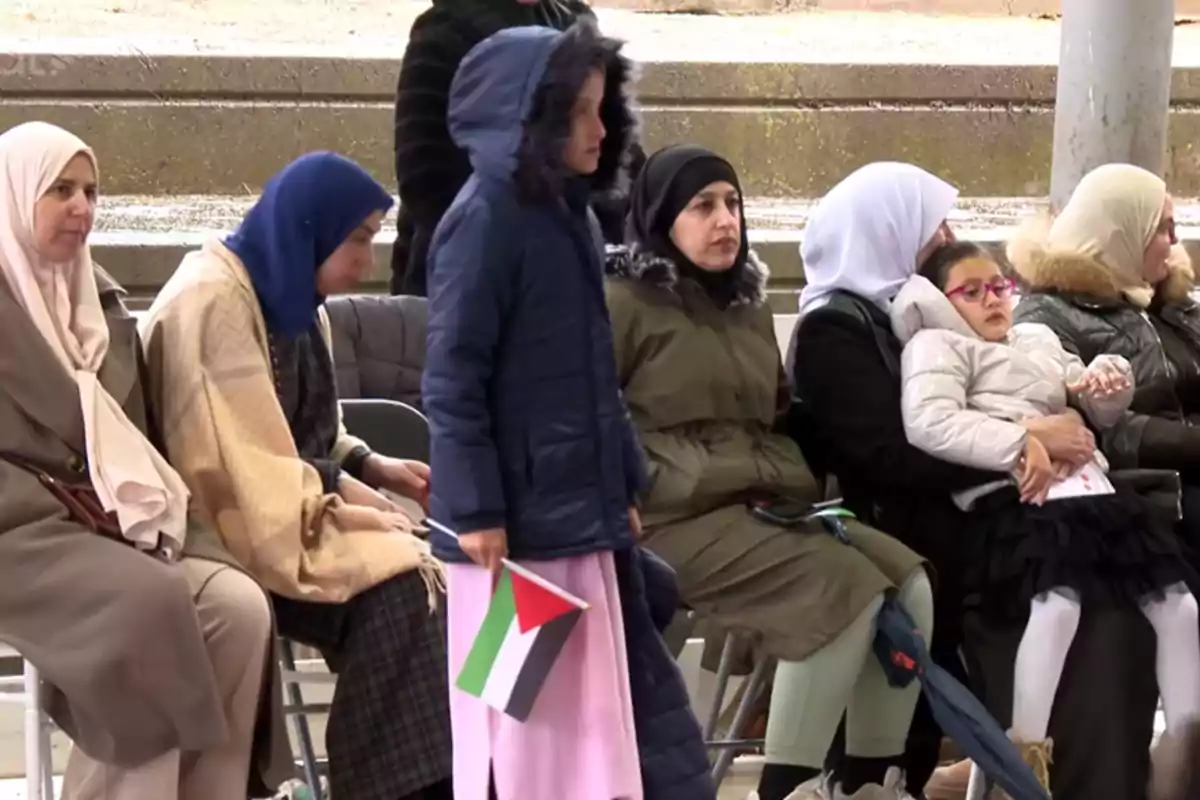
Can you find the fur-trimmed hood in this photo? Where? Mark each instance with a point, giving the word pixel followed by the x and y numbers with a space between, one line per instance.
pixel 922 306
pixel 650 268
pixel 1040 268
pixel 511 100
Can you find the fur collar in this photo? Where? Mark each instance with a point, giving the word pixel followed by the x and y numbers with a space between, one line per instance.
pixel 540 172
pixel 1043 269
pixel 652 269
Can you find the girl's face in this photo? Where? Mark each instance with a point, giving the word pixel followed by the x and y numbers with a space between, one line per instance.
pixel 1154 261
pixel 62 218
pixel 982 295
pixel 709 229
pixel 581 154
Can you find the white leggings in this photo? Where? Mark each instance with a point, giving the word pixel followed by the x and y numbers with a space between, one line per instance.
pixel 1053 620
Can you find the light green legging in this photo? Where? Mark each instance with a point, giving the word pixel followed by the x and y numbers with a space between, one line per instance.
pixel 810 696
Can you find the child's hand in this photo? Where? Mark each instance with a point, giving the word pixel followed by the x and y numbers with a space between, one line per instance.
pixel 486 548
pixel 1036 473
pixel 1063 470
pixel 1102 379
pixel 635 521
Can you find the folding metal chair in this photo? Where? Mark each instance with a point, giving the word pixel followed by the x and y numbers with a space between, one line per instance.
pixel 298 710
pixel 755 683
pixel 26 690
pixel 390 427
pixel 676 638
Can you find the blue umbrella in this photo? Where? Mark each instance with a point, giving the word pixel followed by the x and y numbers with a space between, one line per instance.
pixel 901 649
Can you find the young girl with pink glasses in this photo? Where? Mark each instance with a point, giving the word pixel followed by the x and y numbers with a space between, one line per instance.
pixel 1055 536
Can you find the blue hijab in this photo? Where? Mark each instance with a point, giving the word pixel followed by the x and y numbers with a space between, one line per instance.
pixel 306 211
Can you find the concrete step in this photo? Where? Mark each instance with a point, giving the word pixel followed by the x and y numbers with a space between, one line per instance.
pixel 142 239
pixel 214 100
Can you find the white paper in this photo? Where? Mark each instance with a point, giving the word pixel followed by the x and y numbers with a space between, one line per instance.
pixel 1089 481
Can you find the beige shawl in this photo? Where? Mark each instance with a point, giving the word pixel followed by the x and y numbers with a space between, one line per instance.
pixel 210 372
pixel 131 478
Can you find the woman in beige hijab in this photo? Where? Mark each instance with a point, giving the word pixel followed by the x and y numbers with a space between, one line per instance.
pixel 157 649
pixel 1108 275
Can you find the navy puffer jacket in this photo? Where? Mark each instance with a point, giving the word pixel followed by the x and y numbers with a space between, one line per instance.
pixel 529 431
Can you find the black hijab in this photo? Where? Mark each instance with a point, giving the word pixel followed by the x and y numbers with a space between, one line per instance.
pixel 664 187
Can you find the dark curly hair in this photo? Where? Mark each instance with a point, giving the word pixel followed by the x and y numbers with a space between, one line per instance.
pixel 541 173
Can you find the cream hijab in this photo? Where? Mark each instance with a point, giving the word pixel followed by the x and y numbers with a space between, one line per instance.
pixel 128 474
pixel 865 234
pixel 1111 217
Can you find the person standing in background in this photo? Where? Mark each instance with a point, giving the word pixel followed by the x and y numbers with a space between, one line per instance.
pixel 430 168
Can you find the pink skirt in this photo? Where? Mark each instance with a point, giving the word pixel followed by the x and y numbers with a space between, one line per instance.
pixel 579 741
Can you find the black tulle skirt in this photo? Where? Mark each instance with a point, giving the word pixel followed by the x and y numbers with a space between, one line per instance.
pixel 1109 549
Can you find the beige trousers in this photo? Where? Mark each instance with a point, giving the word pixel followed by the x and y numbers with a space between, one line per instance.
pixel 236 621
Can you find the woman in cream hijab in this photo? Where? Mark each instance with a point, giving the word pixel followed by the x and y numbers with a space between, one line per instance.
pixel 157 649
pixel 1108 275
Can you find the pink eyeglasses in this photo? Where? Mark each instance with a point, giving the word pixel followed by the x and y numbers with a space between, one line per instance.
pixel 976 292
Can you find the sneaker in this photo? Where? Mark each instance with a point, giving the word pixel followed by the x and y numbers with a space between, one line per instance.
pixel 892 789
pixel 949 782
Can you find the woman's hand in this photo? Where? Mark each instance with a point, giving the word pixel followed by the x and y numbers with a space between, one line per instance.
pixel 357 493
pixel 486 548
pixel 1064 437
pixel 1036 474
pixel 406 478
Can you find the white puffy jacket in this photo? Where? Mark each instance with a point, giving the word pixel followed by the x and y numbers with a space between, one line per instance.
pixel 963 396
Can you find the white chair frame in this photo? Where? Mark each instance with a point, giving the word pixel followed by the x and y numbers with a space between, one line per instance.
pixel 26 690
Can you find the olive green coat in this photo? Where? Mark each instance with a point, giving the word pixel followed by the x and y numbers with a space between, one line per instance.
pixel 705 386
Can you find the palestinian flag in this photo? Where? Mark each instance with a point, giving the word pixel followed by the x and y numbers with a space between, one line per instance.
pixel 527 624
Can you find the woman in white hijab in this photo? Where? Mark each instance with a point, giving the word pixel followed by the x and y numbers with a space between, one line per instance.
pixel 864 240
pixel 156 648
pixel 869 234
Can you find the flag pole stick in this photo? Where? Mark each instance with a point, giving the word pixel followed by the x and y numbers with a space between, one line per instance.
pixel 517 569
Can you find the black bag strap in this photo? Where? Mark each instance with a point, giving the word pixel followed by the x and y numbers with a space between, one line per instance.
pixel 854 306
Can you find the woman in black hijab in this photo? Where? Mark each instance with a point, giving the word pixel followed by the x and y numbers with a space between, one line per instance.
pixel 430 169
pixel 730 500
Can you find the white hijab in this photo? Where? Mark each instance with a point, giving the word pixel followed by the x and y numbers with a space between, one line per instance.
pixel 128 474
pixel 865 234
pixel 1112 216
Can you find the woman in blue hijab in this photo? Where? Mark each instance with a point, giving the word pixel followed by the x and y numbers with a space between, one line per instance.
pixel 238 350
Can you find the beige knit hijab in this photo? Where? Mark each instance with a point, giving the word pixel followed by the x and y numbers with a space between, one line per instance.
pixel 128 474
pixel 1111 218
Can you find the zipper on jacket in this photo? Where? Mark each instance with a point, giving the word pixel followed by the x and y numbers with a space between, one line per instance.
pixel 1167 365
pixel 761 459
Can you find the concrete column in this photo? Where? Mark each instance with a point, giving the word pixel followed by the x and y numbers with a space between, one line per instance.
pixel 1114 88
